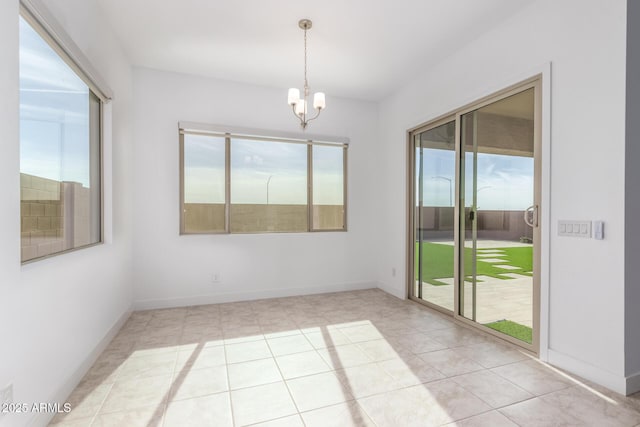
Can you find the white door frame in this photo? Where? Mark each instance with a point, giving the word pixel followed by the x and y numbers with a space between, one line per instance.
pixel 543 74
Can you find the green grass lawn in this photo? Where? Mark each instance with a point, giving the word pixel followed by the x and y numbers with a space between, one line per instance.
pixel 516 330
pixel 437 262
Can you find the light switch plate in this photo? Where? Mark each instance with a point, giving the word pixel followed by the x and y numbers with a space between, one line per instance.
pixel 574 228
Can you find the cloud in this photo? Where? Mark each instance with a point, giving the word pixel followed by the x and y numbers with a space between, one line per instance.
pixel 253 160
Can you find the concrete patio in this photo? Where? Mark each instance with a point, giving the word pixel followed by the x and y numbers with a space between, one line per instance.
pixel 507 298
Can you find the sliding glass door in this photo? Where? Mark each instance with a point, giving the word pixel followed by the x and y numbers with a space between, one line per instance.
pixel 497 188
pixel 435 166
pixel 475 199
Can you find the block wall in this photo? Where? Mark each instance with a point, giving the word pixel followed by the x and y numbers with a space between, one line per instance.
pixel 54 216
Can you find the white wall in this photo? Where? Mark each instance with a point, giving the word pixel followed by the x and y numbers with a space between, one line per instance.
pixel 585 42
pixel 176 270
pixel 55 312
pixel 10 190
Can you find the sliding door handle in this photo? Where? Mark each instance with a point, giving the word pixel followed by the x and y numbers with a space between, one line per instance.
pixel 533 211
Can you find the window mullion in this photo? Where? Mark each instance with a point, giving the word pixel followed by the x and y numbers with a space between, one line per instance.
pixel 344 187
pixel 310 187
pixel 227 184
pixel 182 207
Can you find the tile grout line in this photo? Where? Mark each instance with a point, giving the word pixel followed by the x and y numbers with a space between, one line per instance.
pixel 519 386
pixel 533 396
pixel 473 416
pixel 226 366
pixel 226 359
pixel 95 416
pixel 295 405
pixel 508 417
pixel 173 375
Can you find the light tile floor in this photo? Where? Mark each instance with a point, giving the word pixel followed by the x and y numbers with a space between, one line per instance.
pixel 359 358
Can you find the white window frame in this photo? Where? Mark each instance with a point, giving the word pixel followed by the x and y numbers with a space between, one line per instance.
pixel 36 14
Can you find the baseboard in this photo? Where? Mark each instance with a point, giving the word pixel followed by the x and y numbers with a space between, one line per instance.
pixel 589 372
pixel 633 383
pixel 391 290
pixel 43 418
pixel 249 295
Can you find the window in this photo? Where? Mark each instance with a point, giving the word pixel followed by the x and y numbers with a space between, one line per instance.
pixel 328 187
pixel 204 184
pixel 248 184
pixel 60 149
pixel 268 186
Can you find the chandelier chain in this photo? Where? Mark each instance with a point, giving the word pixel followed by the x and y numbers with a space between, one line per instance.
pixel 306 84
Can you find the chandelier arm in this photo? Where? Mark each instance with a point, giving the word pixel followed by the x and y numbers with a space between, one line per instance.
pixel 293 109
pixel 316 116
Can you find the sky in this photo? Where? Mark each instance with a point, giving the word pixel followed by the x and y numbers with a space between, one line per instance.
pixel 258 168
pixel 504 182
pixel 54 119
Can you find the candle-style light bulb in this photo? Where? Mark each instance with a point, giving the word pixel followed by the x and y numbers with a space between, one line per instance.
pixel 294 96
pixel 301 108
pixel 319 101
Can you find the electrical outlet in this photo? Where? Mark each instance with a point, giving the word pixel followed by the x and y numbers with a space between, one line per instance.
pixel 6 395
pixel 215 278
pixel 393 272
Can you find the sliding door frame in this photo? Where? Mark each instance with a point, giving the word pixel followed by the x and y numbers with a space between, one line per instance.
pixel 535 82
pixel 411 216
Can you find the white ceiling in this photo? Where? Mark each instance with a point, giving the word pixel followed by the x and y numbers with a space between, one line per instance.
pixel 357 48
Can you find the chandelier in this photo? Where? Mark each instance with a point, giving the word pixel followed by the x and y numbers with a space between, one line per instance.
pixel 299 105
